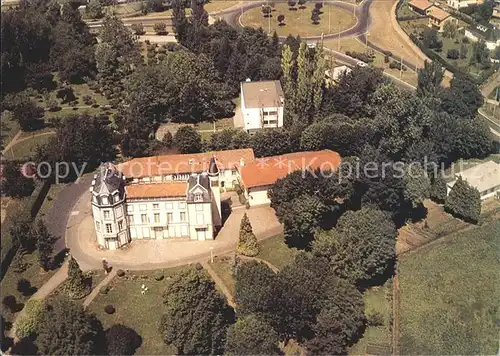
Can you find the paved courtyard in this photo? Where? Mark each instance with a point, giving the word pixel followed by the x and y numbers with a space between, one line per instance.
pixel 152 254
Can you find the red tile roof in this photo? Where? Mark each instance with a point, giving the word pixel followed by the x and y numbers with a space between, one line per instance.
pixel 183 163
pixel 438 14
pixel 266 171
pixel 156 190
pixel 420 4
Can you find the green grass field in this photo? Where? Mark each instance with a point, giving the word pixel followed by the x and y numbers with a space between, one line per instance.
pixel 275 251
pixel 141 312
pixel 376 301
pixel 8 129
pixel 222 266
pixel 449 295
pixel 27 148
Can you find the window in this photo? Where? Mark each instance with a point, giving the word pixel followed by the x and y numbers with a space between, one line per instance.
pixel 199 219
pixel 233 172
pixel 144 218
pixel 156 206
pixel 169 206
pixel 182 205
pixel 143 207
pixel 130 219
pixel 120 225
pixel 105 200
pixel 198 197
pixel 107 214
pixel 130 208
pixel 183 216
pixel 170 217
pixel 109 228
pixel 157 217
pixel 117 198
pixel 98 226
pixel 199 207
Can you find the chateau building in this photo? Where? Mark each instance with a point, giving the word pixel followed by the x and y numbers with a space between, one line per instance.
pixel 179 196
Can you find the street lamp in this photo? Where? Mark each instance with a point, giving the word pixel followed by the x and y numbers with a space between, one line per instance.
pixel 338 42
pixel 401 65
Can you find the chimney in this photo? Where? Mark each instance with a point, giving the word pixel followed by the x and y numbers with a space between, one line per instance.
pixel 242 162
pixel 93 182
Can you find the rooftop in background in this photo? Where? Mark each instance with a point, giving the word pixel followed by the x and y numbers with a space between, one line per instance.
pixel 420 4
pixel 262 94
pixel 156 190
pixel 438 13
pixel 485 32
pixel 266 171
pixel 484 176
pixel 184 163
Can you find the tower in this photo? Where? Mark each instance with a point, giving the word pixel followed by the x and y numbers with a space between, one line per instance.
pixel 108 207
pixel 213 173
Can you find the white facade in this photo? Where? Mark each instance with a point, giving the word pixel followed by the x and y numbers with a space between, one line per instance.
pixel 187 207
pixel 458 4
pixel 491 45
pixel 485 177
pixel 257 195
pixel 261 105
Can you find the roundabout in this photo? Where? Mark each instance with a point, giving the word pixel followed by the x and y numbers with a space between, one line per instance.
pixel 297 20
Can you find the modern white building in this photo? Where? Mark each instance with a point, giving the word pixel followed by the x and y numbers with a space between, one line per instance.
pixel 485 177
pixel 458 4
pixel 333 75
pixel 487 33
pixel 162 197
pixel 261 105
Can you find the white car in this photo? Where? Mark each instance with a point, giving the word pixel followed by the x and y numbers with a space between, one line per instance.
pixel 361 64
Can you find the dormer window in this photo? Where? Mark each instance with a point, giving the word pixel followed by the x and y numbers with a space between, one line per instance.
pixel 198 197
pixel 105 200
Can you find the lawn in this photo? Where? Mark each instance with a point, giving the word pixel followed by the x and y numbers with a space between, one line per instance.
pixel 449 295
pixel 27 148
pixel 377 300
pixel 222 266
pixel 9 128
pixel 275 251
pixel 298 22
pixel 52 194
pixel 135 310
pixel 33 274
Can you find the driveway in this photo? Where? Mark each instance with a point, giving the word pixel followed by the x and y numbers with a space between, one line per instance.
pixel 154 254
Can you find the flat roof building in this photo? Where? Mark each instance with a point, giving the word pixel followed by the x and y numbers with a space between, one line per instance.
pixel 485 177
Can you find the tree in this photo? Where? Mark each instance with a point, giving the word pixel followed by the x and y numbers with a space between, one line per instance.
pixel 28 326
pixel 480 55
pixel 452 54
pixel 281 20
pixel 291 4
pixel 28 114
pixel 138 28
pixel 450 29
pixel 301 218
pixel 301 3
pixel 339 321
pixel 266 10
pixel 187 140
pixel 240 140
pixel 179 21
pixel 25 288
pixel 69 330
pixel 270 142
pixel 122 340
pixel 160 28
pixel 430 78
pixel 315 16
pixel 464 201
pixel 75 286
pixel 251 335
pixel 464 50
pixel 14 183
pixel 438 189
pixel 417 185
pixel 94 9
pixel 247 242
pixel 361 247
pixel 82 140
pixel 45 244
pixel 221 140
pixel 22 232
pixel 193 304
pixel 463 98
pixel 253 288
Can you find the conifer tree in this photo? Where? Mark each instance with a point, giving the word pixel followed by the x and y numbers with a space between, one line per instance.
pixel 464 201
pixel 319 76
pixel 287 64
pixel 45 244
pixel 75 286
pixel 247 243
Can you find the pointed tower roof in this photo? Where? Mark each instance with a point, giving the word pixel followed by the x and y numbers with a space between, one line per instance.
pixel 213 169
